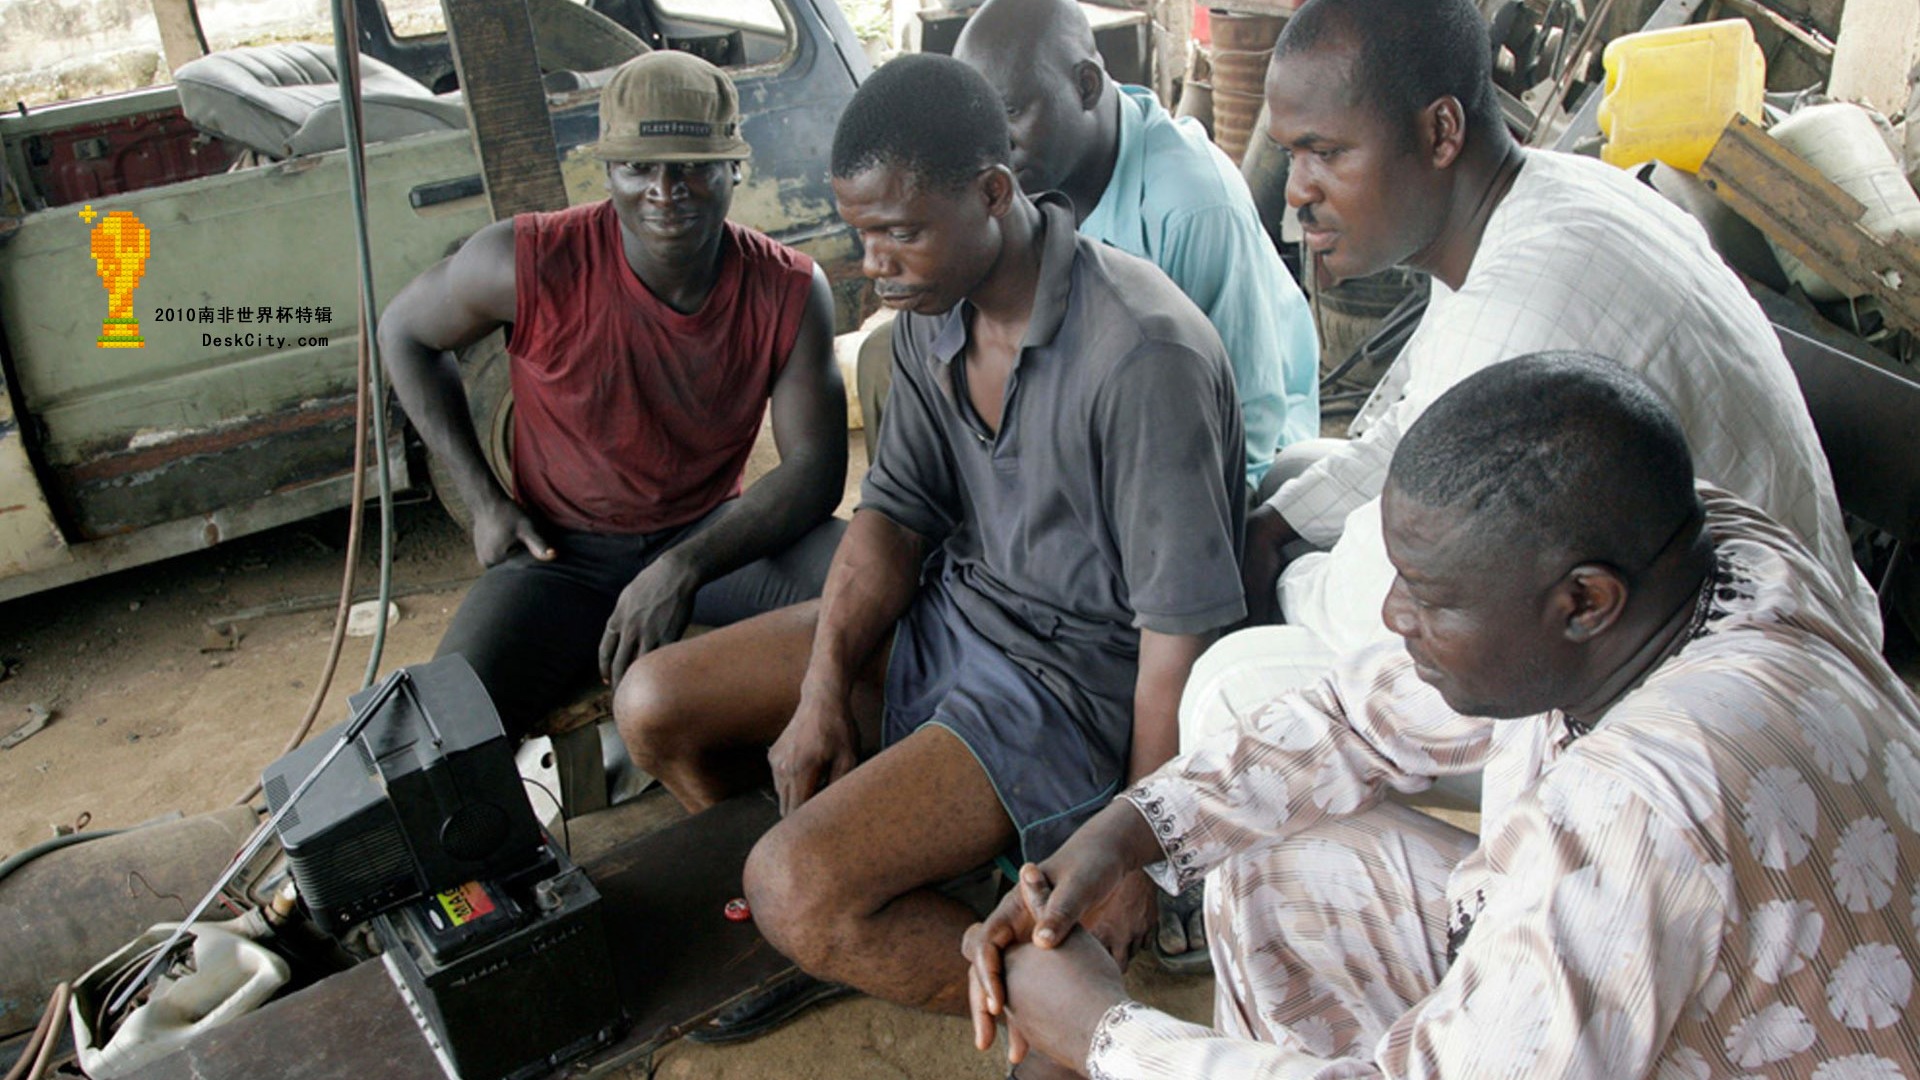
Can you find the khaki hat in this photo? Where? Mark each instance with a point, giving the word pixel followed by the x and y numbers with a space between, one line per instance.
pixel 669 106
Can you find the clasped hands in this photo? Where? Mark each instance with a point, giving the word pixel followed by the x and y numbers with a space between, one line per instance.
pixel 1048 960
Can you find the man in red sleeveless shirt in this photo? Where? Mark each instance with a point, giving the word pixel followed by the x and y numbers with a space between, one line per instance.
pixel 647 336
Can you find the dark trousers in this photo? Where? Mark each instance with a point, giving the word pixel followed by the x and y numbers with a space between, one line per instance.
pixel 532 629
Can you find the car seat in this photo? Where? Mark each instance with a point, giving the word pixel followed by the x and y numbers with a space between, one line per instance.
pixel 283 100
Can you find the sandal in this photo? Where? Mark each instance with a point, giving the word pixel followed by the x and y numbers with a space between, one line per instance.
pixel 767 1009
pixel 1181 943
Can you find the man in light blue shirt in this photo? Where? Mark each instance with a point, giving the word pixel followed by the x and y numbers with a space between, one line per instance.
pixel 1155 187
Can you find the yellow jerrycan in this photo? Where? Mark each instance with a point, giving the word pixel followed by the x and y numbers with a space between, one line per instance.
pixel 1671 92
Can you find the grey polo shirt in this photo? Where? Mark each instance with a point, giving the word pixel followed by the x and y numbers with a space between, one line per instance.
pixel 1113 496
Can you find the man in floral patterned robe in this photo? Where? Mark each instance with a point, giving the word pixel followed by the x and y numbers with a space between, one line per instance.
pixel 1701 818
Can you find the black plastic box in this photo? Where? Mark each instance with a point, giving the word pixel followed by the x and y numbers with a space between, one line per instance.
pixel 425 799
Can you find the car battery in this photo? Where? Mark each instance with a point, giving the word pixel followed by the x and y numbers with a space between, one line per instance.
pixel 506 982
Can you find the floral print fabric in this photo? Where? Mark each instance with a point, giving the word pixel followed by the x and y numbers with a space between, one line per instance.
pixel 1717 881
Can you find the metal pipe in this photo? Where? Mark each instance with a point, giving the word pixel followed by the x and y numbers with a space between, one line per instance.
pixel 41 1031
pixel 363 403
pixel 60 995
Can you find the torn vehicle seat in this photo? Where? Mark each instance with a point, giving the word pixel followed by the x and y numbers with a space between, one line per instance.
pixel 283 100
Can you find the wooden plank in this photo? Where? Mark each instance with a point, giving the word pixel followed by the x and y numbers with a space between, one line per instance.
pixel 1810 40
pixel 666 895
pixel 494 53
pixel 350 1026
pixel 1172 32
pixel 678 958
pixel 1813 219
pixel 181 39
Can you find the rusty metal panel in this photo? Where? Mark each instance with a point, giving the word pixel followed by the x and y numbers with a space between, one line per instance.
pixel 29 539
pixel 215 413
pixel 64 911
pixel 1867 415
pixel 203 471
pixel 155 542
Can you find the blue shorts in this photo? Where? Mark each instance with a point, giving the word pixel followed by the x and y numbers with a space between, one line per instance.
pixel 1049 776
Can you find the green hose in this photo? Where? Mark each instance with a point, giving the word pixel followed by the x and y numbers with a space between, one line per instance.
pixel 346 38
pixel 21 858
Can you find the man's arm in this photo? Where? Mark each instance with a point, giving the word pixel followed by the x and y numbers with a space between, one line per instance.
pixel 1518 1001
pixel 1031 944
pixel 809 409
pixel 1314 507
pixel 1124 919
pixel 875 573
pixel 1168 430
pixel 1316 503
pixel 453 304
pixel 1172 491
pixel 1296 759
pixel 1608 923
pixel 1302 757
pixel 1261 560
pixel 1165 661
pixel 1507 308
pixel 907 503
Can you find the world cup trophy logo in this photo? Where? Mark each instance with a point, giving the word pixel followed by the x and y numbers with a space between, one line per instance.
pixel 120 246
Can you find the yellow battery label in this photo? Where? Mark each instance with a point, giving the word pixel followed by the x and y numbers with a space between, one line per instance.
pixel 466 903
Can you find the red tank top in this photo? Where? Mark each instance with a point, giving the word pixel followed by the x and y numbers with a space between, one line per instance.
pixel 628 416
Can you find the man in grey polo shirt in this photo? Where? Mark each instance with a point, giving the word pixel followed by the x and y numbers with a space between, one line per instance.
pixel 1044 544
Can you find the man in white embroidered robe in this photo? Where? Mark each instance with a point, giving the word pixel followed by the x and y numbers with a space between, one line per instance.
pixel 1699 827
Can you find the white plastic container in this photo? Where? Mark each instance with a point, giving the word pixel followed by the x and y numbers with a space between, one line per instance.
pixel 233 976
pixel 1912 126
pixel 1841 142
pixel 363 618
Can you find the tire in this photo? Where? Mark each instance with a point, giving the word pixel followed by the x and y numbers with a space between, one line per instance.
pixel 484 374
pixel 1350 313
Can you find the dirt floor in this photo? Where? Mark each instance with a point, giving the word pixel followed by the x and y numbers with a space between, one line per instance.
pixel 154 711
pixel 156 708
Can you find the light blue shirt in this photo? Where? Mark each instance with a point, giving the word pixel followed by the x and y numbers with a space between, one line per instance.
pixel 1178 202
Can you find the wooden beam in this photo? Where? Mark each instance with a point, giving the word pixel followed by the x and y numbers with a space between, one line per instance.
pixel 1813 219
pixel 493 51
pixel 181 39
pixel 1811 40
pixel 1879 41
pixel 1172 30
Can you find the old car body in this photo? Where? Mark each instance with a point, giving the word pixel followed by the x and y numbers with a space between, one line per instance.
pixel 236 413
